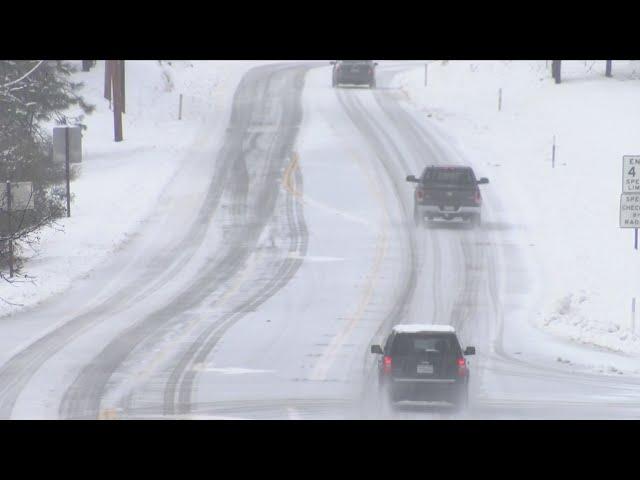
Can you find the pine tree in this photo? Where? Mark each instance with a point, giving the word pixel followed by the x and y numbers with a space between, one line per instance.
pixel 33 93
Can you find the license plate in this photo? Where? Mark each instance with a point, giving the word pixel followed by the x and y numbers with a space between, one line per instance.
pixel 449 209
pixel 425 369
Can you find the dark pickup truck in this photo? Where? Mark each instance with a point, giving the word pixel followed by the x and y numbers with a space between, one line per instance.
pixel 447 192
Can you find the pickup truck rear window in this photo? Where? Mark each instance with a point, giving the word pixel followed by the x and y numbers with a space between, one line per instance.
pixel 449 177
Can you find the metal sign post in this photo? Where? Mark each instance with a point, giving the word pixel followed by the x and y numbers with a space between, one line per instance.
pixel 67 149
pixel 66 163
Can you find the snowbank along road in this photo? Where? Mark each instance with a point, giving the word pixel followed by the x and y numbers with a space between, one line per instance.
pixel 250 293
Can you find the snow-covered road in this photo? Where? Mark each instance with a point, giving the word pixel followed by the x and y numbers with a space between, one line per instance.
pixel 256 287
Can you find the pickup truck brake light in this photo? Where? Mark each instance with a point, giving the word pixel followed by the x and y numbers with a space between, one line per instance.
pixel 419 193
pixel 478 198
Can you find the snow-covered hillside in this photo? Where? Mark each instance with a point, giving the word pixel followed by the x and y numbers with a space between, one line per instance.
pixel 568 214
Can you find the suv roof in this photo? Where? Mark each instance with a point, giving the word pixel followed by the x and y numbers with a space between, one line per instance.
pixel 449 167
pixel 423 328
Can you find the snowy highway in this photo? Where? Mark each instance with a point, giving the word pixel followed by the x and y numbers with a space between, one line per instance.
pixel 282 249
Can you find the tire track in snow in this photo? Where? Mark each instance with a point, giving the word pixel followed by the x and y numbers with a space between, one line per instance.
pixel 83 397
pixel 17 371
pixel 179 390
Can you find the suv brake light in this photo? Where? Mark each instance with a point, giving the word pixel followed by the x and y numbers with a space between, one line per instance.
pixel 419 193
pixel 478 198
pixel 387 363
pixel 462 367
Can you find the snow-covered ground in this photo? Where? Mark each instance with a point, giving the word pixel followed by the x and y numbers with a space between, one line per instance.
pixel 568 215
pixel 118 184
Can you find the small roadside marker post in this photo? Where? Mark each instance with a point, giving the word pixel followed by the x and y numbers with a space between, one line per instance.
pixel 633 315
pixel 180 108
pixel 500 99
pixel 553 153
pixel 426 66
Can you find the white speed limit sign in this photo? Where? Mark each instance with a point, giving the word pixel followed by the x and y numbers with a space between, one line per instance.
pixel 631 174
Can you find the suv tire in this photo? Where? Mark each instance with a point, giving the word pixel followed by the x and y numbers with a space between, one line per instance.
pixel 461 401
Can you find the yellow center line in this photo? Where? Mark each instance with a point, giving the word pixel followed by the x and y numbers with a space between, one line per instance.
pixel 323 365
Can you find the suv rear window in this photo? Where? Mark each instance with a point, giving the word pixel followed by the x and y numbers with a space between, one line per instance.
pixel 411 344
pixel 453 176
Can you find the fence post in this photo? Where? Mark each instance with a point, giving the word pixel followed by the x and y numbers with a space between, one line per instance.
pixel 180 108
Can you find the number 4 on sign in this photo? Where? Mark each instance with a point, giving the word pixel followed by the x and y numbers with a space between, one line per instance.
pixel 632 171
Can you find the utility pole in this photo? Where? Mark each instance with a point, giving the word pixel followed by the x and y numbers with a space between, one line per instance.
pixel 107 79
pixel 122 86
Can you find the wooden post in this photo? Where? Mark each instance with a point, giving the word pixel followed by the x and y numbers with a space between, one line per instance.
pixel 553 153
pixel 117 101
pixel 556 70
pixel 180 108
pixel 608 68
pixel 500 99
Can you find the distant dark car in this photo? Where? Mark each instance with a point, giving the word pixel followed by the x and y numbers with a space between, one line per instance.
pixel 447 192
pixel 424 363
pixel 354 72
